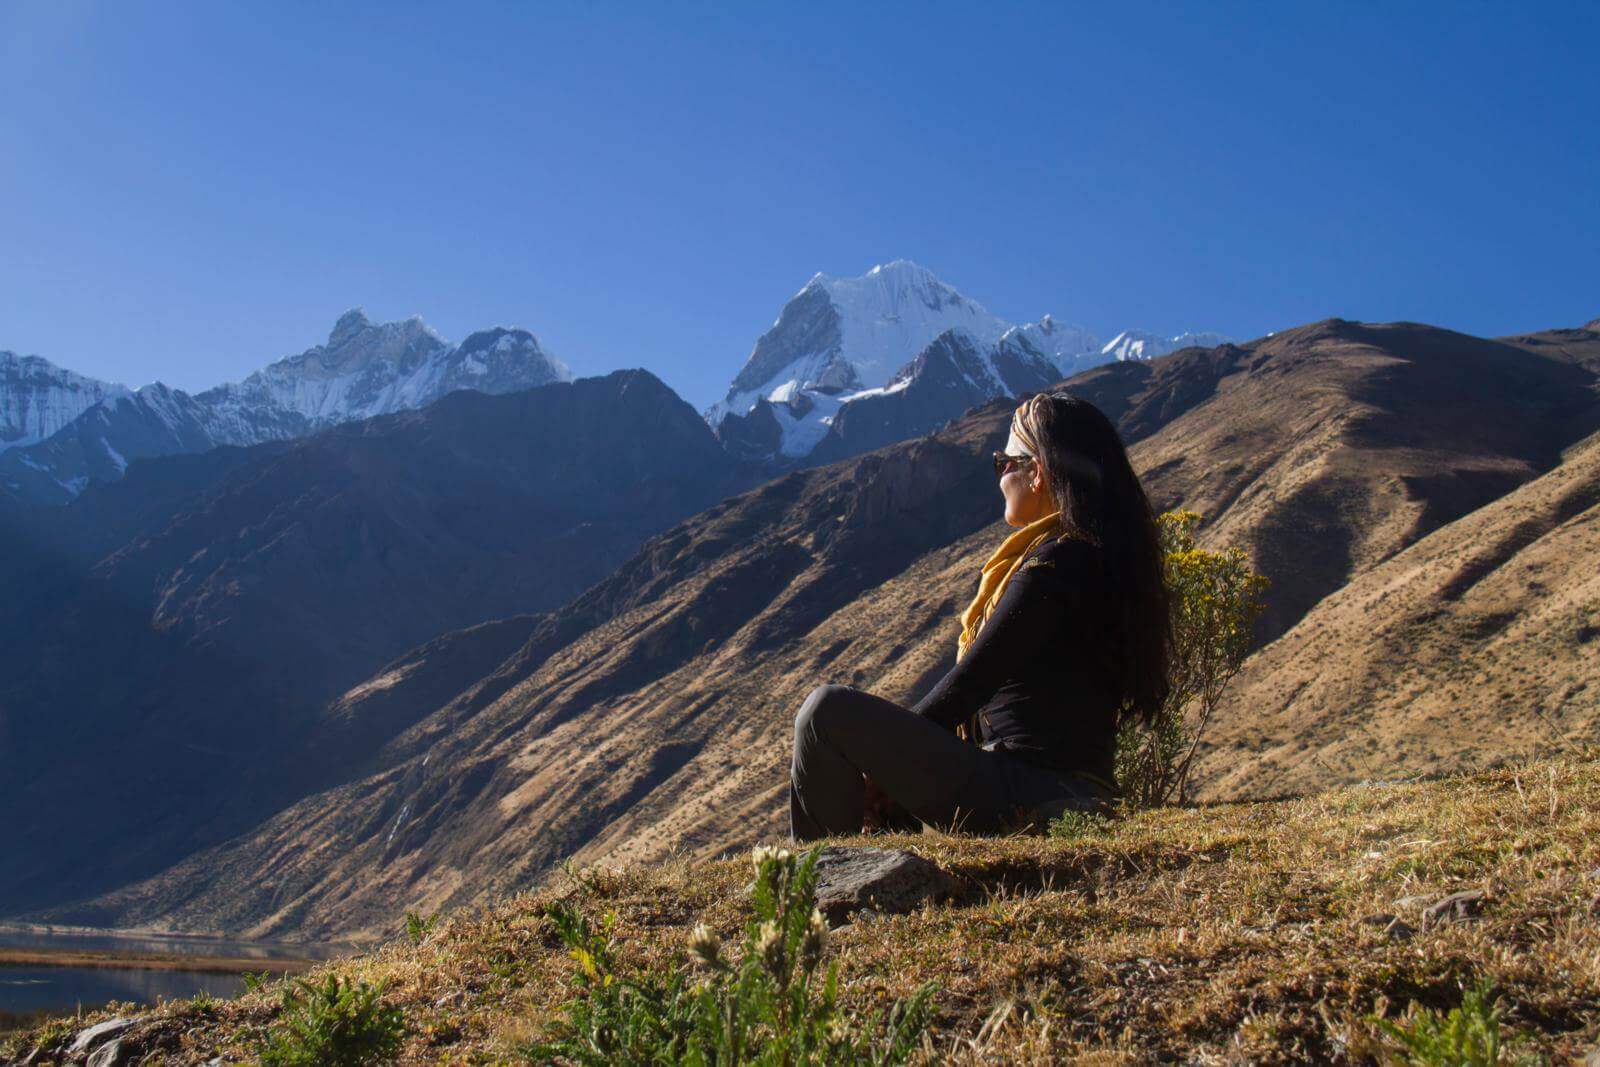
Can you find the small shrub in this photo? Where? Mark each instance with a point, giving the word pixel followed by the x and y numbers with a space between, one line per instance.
pixel 768 1006
pixel 1467 1036
pixel 419 927
pixel 52 1035
pixel 337 1023
pixel 1072 824
pixel 1216 599
pixel 204 1003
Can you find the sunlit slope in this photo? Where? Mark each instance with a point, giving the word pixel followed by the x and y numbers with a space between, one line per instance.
pixel 1477 644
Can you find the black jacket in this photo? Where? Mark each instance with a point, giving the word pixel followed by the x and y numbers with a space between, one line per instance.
pixel 1040 675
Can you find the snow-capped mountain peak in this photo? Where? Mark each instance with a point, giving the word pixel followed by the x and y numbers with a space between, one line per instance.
pixel 898 308
pixel 1070 348
pixel 369 369
pixel 845 344
pixel 842 334
pixel 364 369
pixel 37 398
pixel 1141 344
pixel 350 323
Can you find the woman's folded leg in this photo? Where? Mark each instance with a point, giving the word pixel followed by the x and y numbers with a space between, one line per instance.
pixel 843 733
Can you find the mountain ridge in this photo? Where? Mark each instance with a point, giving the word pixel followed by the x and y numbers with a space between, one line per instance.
pixel 840 343
pixel 223 625
pixel 365 369
pixel 38 398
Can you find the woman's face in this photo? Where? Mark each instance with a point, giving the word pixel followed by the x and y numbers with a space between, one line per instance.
pixel 1023 487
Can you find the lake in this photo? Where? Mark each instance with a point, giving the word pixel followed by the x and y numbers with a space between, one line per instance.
pixel 51 969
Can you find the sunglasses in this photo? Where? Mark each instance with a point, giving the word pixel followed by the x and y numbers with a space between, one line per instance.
pixel 1004 460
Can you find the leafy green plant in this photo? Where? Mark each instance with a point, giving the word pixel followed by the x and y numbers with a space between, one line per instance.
pixel 1216 599
pixel 770 1005
pixel 419 926
pixel 203 1003
pixel 1072 824
pixel 337 1022
pixel 1467 1036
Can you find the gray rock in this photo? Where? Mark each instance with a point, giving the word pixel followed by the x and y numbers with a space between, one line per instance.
pixel 89 1035
pixel 107 1055
pixel 888 881
pixel 1456 907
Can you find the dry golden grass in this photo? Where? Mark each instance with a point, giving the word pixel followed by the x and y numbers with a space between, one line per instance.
pixel 1252 932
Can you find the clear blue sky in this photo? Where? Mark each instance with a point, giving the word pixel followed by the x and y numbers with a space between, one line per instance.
pixel 192 190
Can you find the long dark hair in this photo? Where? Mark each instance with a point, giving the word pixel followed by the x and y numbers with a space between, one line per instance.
pixel 1090 479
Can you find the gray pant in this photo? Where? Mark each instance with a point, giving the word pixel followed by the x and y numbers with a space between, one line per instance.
pixel 843 733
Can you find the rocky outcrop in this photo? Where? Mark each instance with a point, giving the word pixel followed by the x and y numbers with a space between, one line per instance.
pixel 884 881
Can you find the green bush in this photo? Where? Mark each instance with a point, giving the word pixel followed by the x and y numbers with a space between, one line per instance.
pixel 1072 824
pixel 419 926
pixel 768 1006
pixel 1468 1036
pixel 337 1023
pixel 1216 600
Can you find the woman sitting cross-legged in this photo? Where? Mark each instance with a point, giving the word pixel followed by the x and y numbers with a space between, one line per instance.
pixel 1068 632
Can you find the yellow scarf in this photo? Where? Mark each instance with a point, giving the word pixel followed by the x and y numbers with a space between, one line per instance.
pixel 997 571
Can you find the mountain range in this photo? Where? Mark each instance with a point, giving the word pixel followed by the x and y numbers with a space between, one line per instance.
pixel 850 364
pixel 841 345
pixel 426 627
pixel 173 639
pixel 38 398
pixel 651 714
pixel 365 369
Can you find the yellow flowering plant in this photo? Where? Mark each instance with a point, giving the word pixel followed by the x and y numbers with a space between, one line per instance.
pixel 1216 599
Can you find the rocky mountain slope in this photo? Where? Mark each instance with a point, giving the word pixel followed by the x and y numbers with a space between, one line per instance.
pixel 1477 644
pixel 842 345
pixel 365 369
pixel 652 713
pixel 37 398
pixel 167 673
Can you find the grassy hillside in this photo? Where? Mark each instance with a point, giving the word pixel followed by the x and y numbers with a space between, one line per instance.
pixel 1476 643
pixel 1275 931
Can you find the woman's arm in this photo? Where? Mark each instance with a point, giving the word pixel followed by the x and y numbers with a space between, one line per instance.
pixel 1029 619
